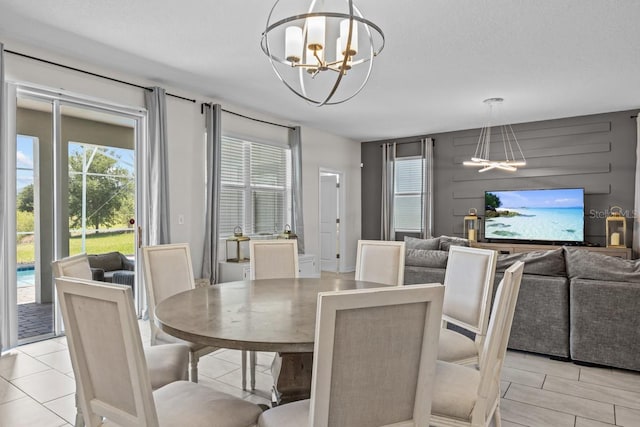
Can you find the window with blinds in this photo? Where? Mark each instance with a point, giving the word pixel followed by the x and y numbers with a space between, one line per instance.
pixel 255 187
pixel 408 194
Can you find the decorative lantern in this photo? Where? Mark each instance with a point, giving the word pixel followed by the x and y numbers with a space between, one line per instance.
pixel 287 233
pixel 471 225
pixel 616 229
pixel 237 245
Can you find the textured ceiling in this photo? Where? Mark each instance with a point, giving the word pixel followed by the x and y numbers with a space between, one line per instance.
pixel 547 58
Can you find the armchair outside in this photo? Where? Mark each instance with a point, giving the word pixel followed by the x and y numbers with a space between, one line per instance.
pixel 105 266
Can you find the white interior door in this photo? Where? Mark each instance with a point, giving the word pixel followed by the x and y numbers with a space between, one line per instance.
pixel 329 222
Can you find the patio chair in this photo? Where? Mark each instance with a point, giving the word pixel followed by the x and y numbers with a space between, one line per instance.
pixel 109 267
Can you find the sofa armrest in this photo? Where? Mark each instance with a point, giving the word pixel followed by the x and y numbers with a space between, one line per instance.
pixel 127 264
pixel 97 274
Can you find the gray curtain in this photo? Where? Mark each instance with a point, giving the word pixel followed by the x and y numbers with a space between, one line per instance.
pixel 387 230
pixel 636 216
pixel 158 191
pixel 427 186
pixel 295 142
pixel 5 301
pixel 213 125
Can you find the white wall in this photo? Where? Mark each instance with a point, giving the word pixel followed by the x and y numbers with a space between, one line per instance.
pixel 186 144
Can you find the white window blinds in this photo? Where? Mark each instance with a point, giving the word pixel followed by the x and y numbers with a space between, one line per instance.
pixel 255 187
pixel 408 194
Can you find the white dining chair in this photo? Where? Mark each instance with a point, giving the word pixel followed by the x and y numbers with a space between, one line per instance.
pixel 380 261
pixel 168 271
pixel 111 370
pixel 464 395
pixel 273 258
pixel 468 283
pixel 358 334
pixel 269 259
pixel 166 363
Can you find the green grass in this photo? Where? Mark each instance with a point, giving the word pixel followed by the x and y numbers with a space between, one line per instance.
pixel 96 243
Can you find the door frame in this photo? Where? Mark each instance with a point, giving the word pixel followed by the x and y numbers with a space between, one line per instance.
pixel 341 215
pixel 57 98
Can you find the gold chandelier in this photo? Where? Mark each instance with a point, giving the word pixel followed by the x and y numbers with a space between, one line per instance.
pixel 320 72
pixel 513 158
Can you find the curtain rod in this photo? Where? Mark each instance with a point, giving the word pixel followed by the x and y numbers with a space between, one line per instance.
pixel 92 74
pixel 407 142
pixel 205 104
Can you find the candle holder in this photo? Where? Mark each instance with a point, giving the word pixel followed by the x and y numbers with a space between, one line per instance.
pixel 287 233
pixel 471 225
pixel 616 229
pixel 237 246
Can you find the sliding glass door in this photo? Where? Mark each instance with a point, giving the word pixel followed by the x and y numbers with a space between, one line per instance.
pixel 75 180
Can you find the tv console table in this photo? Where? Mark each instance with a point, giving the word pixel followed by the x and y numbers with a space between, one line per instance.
pixel 511 248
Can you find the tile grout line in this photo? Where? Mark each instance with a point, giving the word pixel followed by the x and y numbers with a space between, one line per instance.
pixel 564 394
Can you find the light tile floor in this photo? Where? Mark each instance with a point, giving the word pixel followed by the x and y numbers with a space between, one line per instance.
pixel 37 386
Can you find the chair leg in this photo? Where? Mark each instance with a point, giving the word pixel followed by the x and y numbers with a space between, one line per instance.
pixel 244 370
pixel 193 362
pixel 497 417
pixel 253 370
pixel 79 417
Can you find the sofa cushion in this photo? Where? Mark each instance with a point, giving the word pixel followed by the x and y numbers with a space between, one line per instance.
pixel 417 275
pixel 584 264
pixel 542 263
pixel 426 244
pixel 426 258
pixel 108 262
pixel 447 241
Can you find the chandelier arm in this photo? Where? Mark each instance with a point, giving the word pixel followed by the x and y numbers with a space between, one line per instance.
pixel 505 142
pixel 370 68
pixel 486 143
pixel 344 59
pixel 480 147
pixel 517 145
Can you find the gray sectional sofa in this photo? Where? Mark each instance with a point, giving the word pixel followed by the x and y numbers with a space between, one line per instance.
pixel 573 304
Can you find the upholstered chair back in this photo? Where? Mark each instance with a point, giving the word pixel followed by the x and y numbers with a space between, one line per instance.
pixel 380 261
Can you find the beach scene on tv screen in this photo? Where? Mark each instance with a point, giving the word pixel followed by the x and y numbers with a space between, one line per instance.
pixel 545 215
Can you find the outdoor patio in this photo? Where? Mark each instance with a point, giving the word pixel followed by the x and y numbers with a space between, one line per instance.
pixel 33 319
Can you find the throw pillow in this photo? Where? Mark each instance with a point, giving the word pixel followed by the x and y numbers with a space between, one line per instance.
pixel 447 241
pixel 542 263
pixel 426 244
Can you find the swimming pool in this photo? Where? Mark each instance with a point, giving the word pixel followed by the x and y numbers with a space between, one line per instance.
pixel 25 276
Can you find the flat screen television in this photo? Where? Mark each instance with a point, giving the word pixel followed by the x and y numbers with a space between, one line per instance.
pixel 535 216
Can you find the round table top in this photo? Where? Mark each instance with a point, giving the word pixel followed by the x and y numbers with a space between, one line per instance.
pixel 262 315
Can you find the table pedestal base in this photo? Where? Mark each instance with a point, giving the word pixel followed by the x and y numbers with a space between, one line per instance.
pixel 292 376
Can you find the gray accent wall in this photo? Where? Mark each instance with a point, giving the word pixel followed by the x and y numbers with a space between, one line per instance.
pixel 596 152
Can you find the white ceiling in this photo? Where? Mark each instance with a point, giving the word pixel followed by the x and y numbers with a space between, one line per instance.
pixel 547 58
